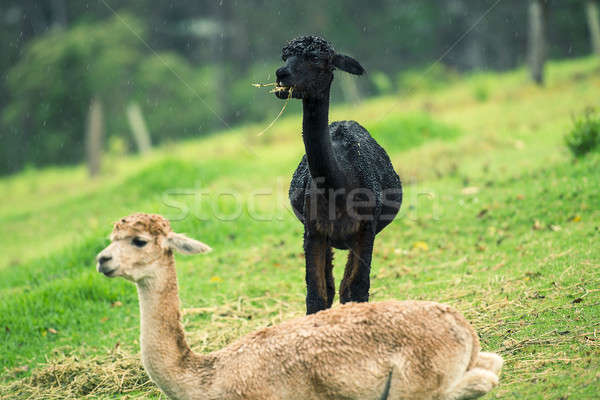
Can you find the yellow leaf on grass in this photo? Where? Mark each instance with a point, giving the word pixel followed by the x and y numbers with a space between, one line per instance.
pixel 470 190
pixel 420 246
pixel 216 279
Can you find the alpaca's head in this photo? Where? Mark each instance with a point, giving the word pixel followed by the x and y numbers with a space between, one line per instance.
pixel 309 65
pixel 142 247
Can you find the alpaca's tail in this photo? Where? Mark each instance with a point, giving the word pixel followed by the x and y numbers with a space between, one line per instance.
pixel 478 380
pixel 386 388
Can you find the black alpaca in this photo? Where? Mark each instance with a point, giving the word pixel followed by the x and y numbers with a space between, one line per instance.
pixel 345 189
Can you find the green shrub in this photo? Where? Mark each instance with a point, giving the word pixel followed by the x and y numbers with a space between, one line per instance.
pixel 585 135
pixel 176 97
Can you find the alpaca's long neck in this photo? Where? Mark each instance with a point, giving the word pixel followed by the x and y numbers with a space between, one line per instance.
pixel 166 355
pixel 322 163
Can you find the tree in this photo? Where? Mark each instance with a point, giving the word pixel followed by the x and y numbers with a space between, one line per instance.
pixel 593 17
pixel 94 137
pixel 538 12
pixel 54 82
pixel 58 54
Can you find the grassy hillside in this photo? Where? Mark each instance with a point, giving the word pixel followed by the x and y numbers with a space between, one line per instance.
pixel 498 221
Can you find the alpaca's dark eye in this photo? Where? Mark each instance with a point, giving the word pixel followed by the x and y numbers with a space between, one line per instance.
pixel 139 242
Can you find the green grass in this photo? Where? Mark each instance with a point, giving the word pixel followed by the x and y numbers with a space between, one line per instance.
pixel 398 132
pixel 498 220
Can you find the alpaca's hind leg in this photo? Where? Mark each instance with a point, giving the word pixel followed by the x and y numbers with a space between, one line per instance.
pixel 490 361
pixel 330 282
pixel 315 249
pixel 475 383
pixel 356 282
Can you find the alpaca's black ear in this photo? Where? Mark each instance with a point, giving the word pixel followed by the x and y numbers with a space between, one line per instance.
pixel 348 64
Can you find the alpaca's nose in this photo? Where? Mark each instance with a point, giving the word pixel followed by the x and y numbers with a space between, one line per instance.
pixel 282 73
pixel 104 259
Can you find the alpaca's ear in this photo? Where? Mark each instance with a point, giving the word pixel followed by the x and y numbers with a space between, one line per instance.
pixel 348 64
pixel 185 245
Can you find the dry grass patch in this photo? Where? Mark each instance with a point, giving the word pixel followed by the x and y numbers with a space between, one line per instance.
pixel 76 377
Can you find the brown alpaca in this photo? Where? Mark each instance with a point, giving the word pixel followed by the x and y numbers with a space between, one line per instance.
pixel 386 350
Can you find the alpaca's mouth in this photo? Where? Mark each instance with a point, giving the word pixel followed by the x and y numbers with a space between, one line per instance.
pixel 281 91
pixel 109 274
pixel 106 271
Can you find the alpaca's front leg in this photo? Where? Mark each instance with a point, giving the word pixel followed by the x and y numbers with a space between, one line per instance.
pixel 356 282
pixel 316 250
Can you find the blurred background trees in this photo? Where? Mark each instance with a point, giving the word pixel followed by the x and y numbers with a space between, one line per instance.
pixel 189 64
